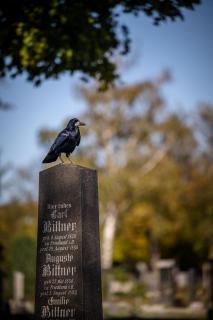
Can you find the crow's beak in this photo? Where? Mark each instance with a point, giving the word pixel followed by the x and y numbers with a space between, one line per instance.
pixel 79 123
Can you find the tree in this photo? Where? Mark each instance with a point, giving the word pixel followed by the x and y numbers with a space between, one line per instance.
pixel 118 138
pixel 17 219
pixel 46 38
pixel 205 125
pixel 151 175
pixel 115 142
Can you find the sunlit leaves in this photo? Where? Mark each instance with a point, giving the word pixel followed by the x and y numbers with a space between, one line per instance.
pixel 46 39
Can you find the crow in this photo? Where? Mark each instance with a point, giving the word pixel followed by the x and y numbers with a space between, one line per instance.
pixel 65 142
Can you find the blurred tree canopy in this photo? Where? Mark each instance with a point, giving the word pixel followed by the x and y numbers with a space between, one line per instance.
pixel 18 241
pixel 155 180
pixel 153 165
pixel 46 38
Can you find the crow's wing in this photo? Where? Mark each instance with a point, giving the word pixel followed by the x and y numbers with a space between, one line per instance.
pixel 61 139
pixel 78 141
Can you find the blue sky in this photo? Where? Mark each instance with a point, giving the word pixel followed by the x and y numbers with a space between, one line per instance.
pixel 186 48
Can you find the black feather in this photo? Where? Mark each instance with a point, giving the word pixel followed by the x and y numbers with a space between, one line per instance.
pixel 65 142
pixel 50 157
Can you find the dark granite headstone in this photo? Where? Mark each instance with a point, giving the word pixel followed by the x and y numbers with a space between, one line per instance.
pixel 192 285
pixel 167 287
pixel 68 283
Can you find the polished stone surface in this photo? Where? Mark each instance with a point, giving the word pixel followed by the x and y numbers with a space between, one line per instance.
pixel 68 284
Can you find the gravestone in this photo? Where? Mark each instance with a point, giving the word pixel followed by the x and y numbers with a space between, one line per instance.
pixel 17 303
pixel 167 284
pixel 18 286
pixel 68 281
pixel 192 281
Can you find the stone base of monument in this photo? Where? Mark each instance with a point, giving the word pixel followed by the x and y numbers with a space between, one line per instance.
pixel 68 283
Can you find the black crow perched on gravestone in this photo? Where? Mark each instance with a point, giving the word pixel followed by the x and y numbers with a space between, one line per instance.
pixel 65 142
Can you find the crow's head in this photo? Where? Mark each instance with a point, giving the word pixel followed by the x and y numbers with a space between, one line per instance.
pixel 73 123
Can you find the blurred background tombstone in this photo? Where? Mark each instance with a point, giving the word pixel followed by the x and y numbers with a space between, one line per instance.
pixel 181 279
pixel 150 279
pixel 117 287
pixel 167 283
pixel 205 282
pixel 17 304
pixel 186 282
pixel 141 268
pixel 192 285
pixel 18 286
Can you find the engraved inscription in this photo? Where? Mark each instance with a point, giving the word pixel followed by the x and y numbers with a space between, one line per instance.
pixel 60 264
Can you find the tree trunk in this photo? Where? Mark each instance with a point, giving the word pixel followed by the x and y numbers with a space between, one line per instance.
pixel 109 236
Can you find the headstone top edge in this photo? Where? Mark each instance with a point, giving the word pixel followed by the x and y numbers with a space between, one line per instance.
pixel 66 165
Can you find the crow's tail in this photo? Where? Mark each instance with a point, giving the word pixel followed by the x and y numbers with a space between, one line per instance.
pixel 50 157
